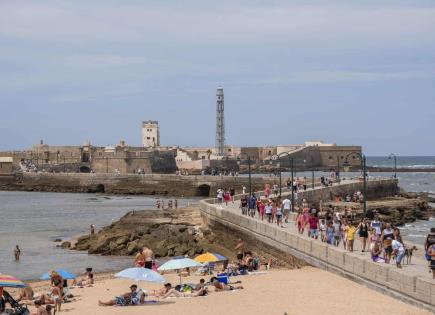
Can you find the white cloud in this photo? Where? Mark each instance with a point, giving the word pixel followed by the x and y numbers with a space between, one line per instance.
pixel 221 23
pixel 347 76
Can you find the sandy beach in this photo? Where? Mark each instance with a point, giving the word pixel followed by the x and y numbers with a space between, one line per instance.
pixel 306 291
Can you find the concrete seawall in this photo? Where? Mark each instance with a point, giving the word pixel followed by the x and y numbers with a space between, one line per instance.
pixel 399 283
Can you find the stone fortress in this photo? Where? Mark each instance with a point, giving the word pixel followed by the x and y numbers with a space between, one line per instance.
pixel 153 157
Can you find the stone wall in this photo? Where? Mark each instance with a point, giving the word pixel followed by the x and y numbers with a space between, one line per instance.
pixel 149 184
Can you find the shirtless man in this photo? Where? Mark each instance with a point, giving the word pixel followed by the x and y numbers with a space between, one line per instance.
pixel 139 260
pixel 149 255
pixel 40 309
pixel 240 248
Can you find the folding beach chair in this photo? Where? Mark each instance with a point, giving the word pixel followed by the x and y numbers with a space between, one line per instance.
pixel 211 267
pixel 19 309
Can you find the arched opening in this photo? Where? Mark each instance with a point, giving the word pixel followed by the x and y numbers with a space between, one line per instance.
pixel 84 169
pixel 203 190
pixel 100 188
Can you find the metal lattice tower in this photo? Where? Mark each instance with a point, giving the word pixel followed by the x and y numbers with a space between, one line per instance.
pixel 220 122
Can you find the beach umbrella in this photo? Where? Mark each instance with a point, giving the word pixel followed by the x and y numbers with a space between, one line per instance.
pixel 141 274
pixel 63 273
pixel 221 258
pixel 7 281
pixel 209 257
pixel 177 264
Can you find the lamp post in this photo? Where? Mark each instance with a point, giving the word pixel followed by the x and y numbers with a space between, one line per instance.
pixel 393 156
pixel 291 160
pixel 249 169
pixel 338 169
pixel 364 170
pixel 64 164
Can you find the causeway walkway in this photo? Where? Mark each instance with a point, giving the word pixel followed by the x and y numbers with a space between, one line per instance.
pixel 413 283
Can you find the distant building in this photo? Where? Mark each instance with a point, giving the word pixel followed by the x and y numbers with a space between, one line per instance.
pixel 150 134
pixel 6 165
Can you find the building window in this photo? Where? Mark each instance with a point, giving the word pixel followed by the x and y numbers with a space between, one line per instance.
pixel 148 138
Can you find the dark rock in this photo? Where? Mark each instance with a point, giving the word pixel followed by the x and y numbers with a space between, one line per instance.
pixel 57 240
pixel 65 245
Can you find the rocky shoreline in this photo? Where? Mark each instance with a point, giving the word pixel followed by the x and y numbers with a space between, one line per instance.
pixel 169 233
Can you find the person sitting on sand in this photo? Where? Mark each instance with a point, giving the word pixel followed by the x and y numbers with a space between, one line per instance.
pixel 26 294
pixel 52 297
pixel 200 289
pixel 219 286
pixel 170 291
pixel 134 297
pixel 40 309
pixel 88 281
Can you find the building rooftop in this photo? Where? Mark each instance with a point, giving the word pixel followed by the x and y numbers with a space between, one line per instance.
pixel 6 159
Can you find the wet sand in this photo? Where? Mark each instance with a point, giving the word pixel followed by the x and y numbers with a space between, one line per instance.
pixel 306 291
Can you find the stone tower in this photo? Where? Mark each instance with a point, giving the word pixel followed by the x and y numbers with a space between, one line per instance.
pixel 220 122
pixel 150 134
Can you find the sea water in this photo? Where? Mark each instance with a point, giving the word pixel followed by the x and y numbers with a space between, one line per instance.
pixel 33 220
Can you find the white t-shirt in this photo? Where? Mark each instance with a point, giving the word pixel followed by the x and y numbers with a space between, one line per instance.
pixel 377 226
pixel 268 209
pixel 287 204
pixel 398 246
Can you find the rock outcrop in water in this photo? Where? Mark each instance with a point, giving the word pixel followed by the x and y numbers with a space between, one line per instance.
pixel 167 232
pixel 406 208
pixel 171 233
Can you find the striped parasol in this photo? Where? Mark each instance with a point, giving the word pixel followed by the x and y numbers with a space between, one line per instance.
pixel 7 281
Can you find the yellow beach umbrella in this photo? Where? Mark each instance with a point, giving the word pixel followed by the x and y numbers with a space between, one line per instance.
pixel 209 257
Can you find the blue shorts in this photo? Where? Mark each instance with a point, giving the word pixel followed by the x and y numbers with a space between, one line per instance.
pixel 314 232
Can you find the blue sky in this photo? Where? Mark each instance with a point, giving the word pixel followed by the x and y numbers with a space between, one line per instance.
pixel 350 72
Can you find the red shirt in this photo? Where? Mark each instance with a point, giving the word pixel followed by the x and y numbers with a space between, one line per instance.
pixel 313 222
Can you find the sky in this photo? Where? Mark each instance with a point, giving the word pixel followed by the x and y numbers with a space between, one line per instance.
pixel 346 72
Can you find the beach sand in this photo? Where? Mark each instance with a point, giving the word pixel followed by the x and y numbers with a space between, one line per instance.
pixel 306 291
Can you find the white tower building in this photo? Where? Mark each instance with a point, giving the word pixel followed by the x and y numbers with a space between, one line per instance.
pixel 220 122
pixel 150 134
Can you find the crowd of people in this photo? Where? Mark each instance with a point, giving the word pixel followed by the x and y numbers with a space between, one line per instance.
pixel 333 226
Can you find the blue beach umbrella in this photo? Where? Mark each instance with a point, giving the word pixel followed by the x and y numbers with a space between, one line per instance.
pixel 141 274
pixel 220 257
pixel 63 273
